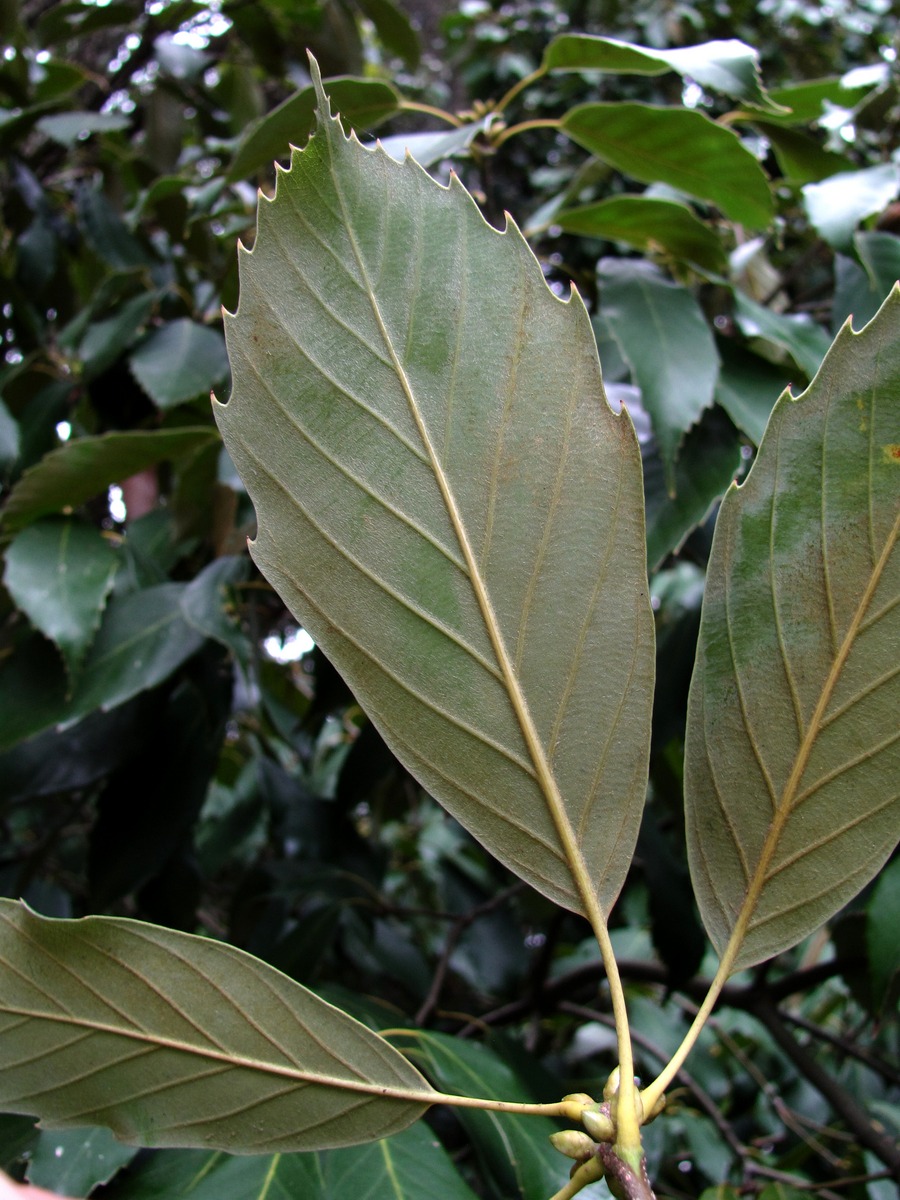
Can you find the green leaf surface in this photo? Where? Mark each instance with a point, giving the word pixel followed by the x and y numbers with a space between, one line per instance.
pixel 747 389
pixel 666 340
pixel 421 425
pixel 83 467
pixel 515 1151
pixel 363 104
pixel 731 66
pixel 73 1162
pixel 679 147
pixel 708 461
pixel 104 341
pixel 793 750
pixel 408 1166
pixel 807 102
pixel 142 640
pixel 882 923
pixel 429 148
pixel 180 361
pixel 214 1175
pixel 68 128
pixel 394 29
pixel 660 226
pixel 863 284
pixel 800 157
pixel 174 1040
pixel 10 439
pixel 836 206
pixel 805 341
pixel 60 573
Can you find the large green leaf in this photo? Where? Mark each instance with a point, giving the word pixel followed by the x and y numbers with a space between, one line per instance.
pixel 682 148
pixel 74 1161
pixel 448 504
pixel 175 1040
pixel 179 361
pixel 793 748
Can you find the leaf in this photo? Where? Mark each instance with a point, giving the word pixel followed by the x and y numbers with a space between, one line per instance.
pixel 747 389
pixel 882 920
pixel 430 148
pixel 68 128
pixel 176 1040
pixel 408 1166
pixel 83 467
pixel 73 1162
pixel 179 361
pixel 10 440
pixel 837 205
pixel 143 639
pixel 515 1151
pixel 364 103
pixel 421 425
pixel 60 573
pixel 804 340
pixel 214 1175
pixel 394 29
pixel 649 224
pixel 800 157
pixel 666 340
pixel 728 66
pixel 708 461
pixel 793 750
pixel 679 147
pixel 860 290
pixel 809 101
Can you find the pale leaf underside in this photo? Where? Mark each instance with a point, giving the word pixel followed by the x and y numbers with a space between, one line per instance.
pixel 447 503
pixel 793 750
pixel 173 1040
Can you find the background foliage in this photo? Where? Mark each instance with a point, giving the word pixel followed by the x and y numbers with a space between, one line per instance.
pixel 173 748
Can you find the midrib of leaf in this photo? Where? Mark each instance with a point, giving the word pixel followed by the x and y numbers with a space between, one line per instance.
pixel 385 1148
pixel 159 1041
pixel 542 768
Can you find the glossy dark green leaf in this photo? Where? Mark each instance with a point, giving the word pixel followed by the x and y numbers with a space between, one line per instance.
pixel 804 340
pixel 363 104
pixel 107 233
pixel 180 361
pixel 422 486
pixel 656 226
pixel 72 1162
pixel 800 157
pixel 214 1175
pixel 143 638
pixel 515 1151
pixel 682 148
pixel 394 29
pixel 60 573
pixel 837 205
pixel 208 605
pixel 84 467
pixel 882 923
pixel 808 101
pixel 105 341
pixel 668 345
pixel 731 67
pixel 708 461
pixel 793 750
pixel 748 387
pixel 408 1166
pixel 174 1040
